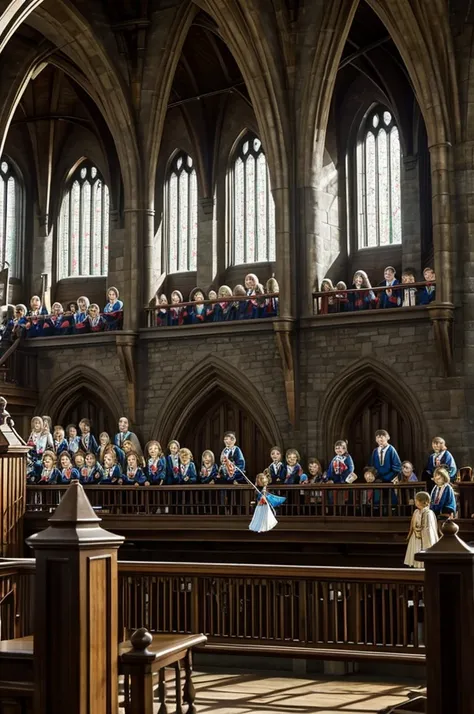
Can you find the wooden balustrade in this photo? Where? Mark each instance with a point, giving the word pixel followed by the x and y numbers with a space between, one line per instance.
pixel 346 613
pixel 325 500
pixel 330 302
pixel 307 611
pixel 16 598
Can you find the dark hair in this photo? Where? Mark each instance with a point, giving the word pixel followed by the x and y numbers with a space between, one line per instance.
pixel 382 432
pixel 230 433
pixel 342 442
pixel 85 421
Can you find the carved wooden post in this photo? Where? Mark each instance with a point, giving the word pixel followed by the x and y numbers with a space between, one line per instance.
pixel 75 633
pixel 449 623
pixel 13 452
pixel 137 668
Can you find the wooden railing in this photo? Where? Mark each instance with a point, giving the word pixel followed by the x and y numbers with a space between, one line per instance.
pixel 346 613
pixel 328 500
pixel 339 301
pixel 306 611
pixel 16 598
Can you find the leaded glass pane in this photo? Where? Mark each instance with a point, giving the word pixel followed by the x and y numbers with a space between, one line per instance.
pixel 63 247
pixel 387 117
pixel 371 198
pixel 4 167
pixel 262 209
pixel 375 121
pixel 395 160
pixel 193 220
pixel 85 248
pixel 11 225
pixel 3 190
pixel 383 188
pixel 83 226
pixel 75 228
pixel 250 210
pixel 96 228
pixel 271 226
pixel 183 189
pixel 173 222
pixel 239 212
pixel 361 196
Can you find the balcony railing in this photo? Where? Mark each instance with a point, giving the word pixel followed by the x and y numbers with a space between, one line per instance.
pixel 333 302
pixel 309 501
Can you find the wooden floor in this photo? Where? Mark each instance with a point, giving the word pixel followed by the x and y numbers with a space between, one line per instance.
pixel 247 693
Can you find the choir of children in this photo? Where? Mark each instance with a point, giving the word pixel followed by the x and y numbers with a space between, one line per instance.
pixel 78 318
pixel 339 300
pixel 63 455
pixel 241 303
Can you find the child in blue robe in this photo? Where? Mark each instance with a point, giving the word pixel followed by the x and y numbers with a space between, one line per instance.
pixel 92 471
pixel 68 472
pixel 87 440
pixel 172 462
pixel 364 298
pixel 222 309
pixel 60 443
pixel 232 460
pixel 384 458
pixel 236 309
pixel 134 475
pixel 52 322
pixel 17 324
pixel 440 457
pixel 341 466
pixel 209 473
pixel 187 468
pixel 97 322
pixel 113 311
pixel 195 314
pixel 73 439
pixel 81 317
pixel 46 472
pixel 66 326
pixel 212 295
pixel 176 310
pixel 253 288
pixel 389 298
pixel 294 473
pixel 271 303
pixel 428 293
pixel 277 469
pixel 155 467
pixel 443 499
pixel 112 471
pixel 163 314
pixel 35 317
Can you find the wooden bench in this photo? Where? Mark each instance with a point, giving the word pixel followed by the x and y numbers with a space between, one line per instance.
pixel 141 659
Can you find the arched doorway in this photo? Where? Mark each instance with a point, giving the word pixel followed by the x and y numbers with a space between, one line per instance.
pixel 218 413
pixel 84 404
pixel 367 397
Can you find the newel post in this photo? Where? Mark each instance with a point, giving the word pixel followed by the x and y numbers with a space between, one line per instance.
pixel 449 623
pixel 75 632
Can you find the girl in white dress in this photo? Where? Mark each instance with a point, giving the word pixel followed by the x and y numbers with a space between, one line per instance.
pixel 423 531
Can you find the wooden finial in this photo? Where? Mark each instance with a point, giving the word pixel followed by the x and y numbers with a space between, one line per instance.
pixel 140 640
pixel 449 528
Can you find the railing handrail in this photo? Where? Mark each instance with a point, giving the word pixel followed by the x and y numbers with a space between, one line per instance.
pixel 238 487
pixel 374 288
pixel 233 298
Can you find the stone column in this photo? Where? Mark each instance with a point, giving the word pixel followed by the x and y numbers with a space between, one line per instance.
pixel 411 229
pixel 206 248
pixel 75 633
pixel 443 239
pixel 449 623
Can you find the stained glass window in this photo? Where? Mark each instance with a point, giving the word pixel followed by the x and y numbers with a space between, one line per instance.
pixel 252 226
pixel 181 218
pixel 378 159
pixel 11 218
pixel 83 229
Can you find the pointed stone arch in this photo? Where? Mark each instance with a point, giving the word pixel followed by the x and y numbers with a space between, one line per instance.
pixel 350 391
pixel 81 379
pixel 210 375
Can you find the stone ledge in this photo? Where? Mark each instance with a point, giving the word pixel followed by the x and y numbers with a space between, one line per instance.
pixel 364 317
pixel 70 341
pixel 208 330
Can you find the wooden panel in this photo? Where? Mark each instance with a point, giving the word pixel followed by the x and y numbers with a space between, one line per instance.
pixel 209 421
pixel 61 681
pixel 98 688
pixel 12 504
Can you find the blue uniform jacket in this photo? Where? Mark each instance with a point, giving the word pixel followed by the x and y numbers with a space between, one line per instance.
pixel 68 475
pixel 444 458
pixel 391 466
pixel 277 472
pixel 394 300
pixel 361 300
pixel 113 475
pixel 187 474
pixel 426 295
pixel 130 479
pixel 236 457
pixel 155 470
pixel 443 500
pixel 340 468
pixel 40 477
pixel 208 475
pixel 91 446
pixel 295 474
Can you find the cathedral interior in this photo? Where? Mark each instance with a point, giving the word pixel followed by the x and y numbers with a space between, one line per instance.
pixel 174 147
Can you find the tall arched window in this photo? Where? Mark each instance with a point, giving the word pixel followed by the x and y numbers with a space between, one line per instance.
pixel 181 214
pixel 11 218
pixel 252 206
pixel 83 231
pixel 378 181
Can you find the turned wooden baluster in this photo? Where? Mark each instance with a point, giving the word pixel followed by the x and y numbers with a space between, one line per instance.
pixel 137 667
pixel 189 691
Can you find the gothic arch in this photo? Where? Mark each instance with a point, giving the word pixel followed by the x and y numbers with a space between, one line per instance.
pixel 63 390
pixel 211 374
pixel 350 389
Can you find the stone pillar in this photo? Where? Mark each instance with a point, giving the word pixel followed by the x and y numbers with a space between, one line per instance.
pixel 206 250
pixel 75 634
pixel 133 277
pixel 449 623
pixel 411 229
pixel 443 241
pixel 285 252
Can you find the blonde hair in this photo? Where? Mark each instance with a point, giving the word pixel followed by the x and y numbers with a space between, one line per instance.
pixel 423 497
pixel 441 471
pixel 153 441
pixel 185 452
